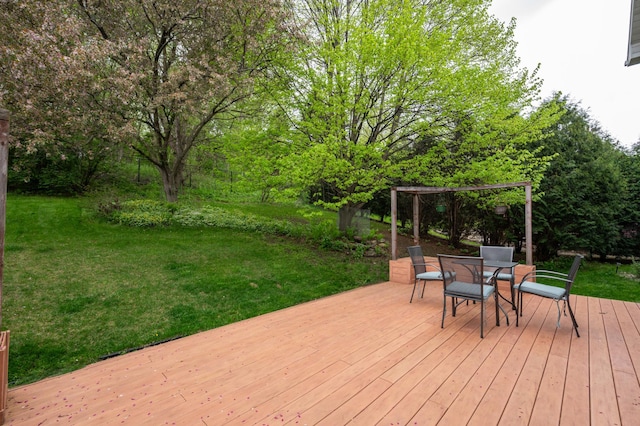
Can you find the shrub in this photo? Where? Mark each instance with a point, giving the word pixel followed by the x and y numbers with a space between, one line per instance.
pixel 636 268
pixel 143 213
pixel 233 219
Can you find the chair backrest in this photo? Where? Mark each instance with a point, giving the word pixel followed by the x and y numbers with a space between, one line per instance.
pixel 417 259
pixel 461 268
pixel 571 276
pixel 504 254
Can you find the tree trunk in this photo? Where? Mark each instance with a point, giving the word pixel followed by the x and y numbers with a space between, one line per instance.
pixel 171 182
pixel 346 215
pixel 454 222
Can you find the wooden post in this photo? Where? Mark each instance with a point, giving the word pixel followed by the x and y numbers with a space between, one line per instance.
pixel 416 219
pixel 528 215
pixel 394 224
pixel 4 335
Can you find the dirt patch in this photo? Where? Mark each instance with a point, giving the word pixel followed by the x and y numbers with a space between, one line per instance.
pixel 431 246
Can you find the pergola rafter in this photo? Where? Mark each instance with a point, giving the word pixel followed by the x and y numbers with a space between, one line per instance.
pixel 418 190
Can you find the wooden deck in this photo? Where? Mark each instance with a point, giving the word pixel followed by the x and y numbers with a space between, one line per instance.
pixel 365 357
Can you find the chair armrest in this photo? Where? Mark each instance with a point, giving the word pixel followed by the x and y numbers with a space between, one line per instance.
pixel 539 272
pixel 534 275
pixel 437 268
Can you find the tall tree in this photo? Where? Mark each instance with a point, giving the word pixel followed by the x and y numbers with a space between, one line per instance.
pixel 583 187
pixel 165 68
pixel 47 80
pixel 629 215
pixel 378 79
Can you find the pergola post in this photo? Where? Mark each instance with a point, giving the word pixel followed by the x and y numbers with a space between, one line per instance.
pixel 416 219
pixel 394 224
pixel 528 233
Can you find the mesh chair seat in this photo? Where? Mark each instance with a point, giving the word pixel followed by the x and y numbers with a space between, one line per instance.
pixel 469 291
pixel 435 275
pixel 544 290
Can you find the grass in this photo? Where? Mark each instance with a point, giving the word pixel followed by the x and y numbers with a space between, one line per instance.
pixel 77 288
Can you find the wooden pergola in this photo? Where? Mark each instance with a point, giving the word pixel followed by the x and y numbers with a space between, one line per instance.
pixel 418 190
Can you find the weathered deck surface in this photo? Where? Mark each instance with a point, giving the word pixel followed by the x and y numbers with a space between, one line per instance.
pixel 365 357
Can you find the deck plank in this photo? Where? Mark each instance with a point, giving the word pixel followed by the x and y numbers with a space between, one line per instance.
pixel 576 405
pixel 624 375
pixel 548 403
pixel 604 409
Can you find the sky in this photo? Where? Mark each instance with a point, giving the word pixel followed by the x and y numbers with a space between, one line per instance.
pixel 581 46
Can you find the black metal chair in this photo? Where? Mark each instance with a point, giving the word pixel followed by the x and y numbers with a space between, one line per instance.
pixel 502 254
pixel 420 270
pixel 530 285
pixel 463 280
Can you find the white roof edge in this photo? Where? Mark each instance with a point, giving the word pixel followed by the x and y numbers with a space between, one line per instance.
pixel 633 49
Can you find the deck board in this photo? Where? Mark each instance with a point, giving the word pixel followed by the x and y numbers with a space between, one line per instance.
pixel 365 357
pixel 604 408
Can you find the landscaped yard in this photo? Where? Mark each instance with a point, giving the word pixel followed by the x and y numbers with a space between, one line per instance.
pixel 77 288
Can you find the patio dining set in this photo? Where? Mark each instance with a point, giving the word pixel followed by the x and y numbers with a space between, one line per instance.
pixel 475 279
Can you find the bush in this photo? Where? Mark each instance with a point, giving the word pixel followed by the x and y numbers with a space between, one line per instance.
pixel 208 216
pixel 636 268
pixel 142 213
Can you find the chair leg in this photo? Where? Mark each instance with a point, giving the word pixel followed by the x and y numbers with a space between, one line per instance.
pixel 559 312
pixel 497 303
pixel 444 310
pixel 414 290
pixel 519 306
pixel 424 286
pixel 573 318
pixel 482 319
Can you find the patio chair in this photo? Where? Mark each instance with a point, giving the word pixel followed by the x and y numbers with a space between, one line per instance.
pixel 463 281
pixel 420 270
pixel 502 254
pixel 530 286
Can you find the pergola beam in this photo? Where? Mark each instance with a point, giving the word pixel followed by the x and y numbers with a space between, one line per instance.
pixel 417 190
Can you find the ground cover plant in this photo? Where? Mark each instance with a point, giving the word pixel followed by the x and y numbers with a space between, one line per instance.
pixel 78 288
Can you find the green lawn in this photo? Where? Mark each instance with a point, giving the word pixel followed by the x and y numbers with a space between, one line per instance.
pixel 77 288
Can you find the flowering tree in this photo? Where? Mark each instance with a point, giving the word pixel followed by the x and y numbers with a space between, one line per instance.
pixel 47 81
pixel 155 73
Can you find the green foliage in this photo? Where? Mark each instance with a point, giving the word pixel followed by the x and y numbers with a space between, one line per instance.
pixel 70 169
pixel 583 188
pixel 323 233
pixel 414 91
pixel 635 268
pixel 143 213
pixel 629 216
pixel 207 216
